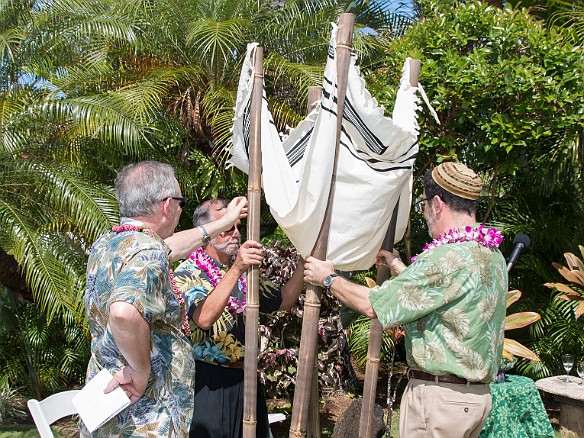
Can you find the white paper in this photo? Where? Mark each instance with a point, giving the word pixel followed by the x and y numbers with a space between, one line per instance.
pixel 95 407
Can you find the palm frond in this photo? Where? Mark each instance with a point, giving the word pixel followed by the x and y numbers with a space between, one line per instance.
pixel 216 41
pixel 48 267
pixel 108 117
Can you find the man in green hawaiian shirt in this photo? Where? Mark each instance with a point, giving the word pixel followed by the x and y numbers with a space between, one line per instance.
pixel 214 286
pixel 134 313
pixel 451 300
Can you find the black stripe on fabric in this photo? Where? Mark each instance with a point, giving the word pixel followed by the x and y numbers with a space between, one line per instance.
pixel 371 161
pixel 371 140
pixel 351 115
pixel 388 169
pixel 296 153
pixel 357 122
pixel 246 126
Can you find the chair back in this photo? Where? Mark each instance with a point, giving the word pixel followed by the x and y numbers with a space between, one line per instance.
pixel 47 411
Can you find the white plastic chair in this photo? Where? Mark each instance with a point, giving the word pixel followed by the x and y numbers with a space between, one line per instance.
pixel 47 411
pixel 272 418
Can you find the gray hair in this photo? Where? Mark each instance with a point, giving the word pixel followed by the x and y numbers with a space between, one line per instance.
pixel 202 214
pixel 140 187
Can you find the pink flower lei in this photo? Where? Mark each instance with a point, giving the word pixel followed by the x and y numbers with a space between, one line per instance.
pixel 206 264
pixel 490 237
pixel 177 292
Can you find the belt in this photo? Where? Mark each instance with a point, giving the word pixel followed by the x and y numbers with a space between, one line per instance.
pixel 447 378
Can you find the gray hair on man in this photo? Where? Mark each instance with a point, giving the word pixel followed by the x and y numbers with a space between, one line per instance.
pixel 140 187
pixel 202 214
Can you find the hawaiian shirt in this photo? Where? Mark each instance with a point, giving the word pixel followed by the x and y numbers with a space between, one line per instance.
pixel 225 340
pixel 452 302
pixel 134 268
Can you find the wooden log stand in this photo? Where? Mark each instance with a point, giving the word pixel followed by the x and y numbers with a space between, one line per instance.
pixel 570 396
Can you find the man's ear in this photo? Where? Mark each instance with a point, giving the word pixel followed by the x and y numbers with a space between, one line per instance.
pixel 165 207
pixel 438 204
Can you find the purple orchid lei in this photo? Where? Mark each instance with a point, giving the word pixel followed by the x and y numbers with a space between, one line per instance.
pixel 206 264
pixel 490 237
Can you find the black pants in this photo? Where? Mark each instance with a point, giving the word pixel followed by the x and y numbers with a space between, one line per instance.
pixel 219 404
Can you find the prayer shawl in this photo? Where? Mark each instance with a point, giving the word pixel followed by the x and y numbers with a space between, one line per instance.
pixel 376 157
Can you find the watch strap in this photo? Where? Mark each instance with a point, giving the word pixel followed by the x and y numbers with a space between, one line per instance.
pixel 206 236
pixel 328 281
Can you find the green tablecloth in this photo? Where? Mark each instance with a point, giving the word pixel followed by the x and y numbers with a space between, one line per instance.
pixel 517 410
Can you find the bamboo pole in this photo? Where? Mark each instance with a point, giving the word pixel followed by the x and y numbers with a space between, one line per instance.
pixel 252 308
pixel 312 302
pixel 374 348
pixel 314 95
pixel 376 330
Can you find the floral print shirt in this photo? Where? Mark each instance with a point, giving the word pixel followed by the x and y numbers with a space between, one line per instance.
pixel 133 267
pixel 452 302
pixel 225 340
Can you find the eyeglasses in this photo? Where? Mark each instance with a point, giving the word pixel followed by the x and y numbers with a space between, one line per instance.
pixel 182 201
pixel 231 230
pixel 421 201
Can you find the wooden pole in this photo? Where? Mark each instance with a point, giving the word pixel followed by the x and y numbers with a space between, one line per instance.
pixel 376 331
pixel 312 302
pixel 374 348
pixel 252 308
pixel 314 96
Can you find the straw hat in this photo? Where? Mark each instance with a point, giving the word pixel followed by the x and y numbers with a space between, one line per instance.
pixel 458 179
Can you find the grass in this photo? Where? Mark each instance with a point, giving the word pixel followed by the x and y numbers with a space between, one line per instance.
pixel 69 429
pixel 31 432
pixel 61 429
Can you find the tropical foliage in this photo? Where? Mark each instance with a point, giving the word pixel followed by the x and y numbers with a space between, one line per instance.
pixel 560 329
pixel 512 348
pixel 574 274
pixel 88 86
pixel 508 90
pixel 280 334
pixel 359 330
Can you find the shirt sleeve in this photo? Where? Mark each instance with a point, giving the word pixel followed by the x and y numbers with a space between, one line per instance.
pixel 418 291
pixel 188 280
pixel 270 296
pixel 142 282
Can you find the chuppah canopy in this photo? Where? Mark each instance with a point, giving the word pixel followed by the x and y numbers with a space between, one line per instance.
pixel 374 171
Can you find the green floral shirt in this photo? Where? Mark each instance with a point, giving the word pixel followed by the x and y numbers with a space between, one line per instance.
pixel 225 340
pixel 452 303
pixel 133 267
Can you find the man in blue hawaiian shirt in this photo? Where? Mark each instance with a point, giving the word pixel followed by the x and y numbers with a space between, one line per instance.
pixel 214 284
pixel 451 300
pixel 134 307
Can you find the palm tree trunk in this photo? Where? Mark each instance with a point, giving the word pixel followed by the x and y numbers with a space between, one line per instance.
pixel 11 277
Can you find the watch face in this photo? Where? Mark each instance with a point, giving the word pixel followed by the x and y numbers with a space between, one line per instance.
pixel 328 280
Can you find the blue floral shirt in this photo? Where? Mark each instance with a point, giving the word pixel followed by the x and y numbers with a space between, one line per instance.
pixel 225 340
pixel 133 267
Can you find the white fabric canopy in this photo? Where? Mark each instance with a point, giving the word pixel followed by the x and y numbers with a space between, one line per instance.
pixel 376 157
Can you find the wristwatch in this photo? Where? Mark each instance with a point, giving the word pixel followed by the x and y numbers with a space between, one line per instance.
pixel 328 281
pixel 206 237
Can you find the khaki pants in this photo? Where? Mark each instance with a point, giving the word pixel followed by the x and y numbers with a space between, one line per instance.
pixel 448 410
